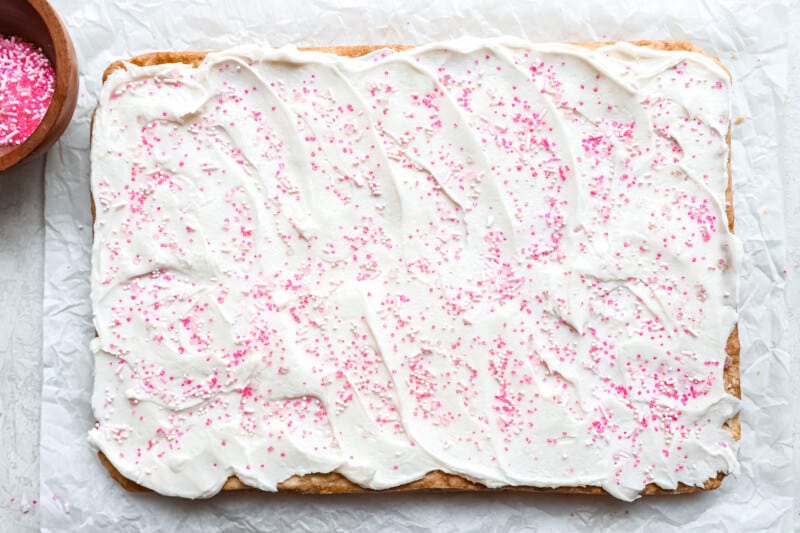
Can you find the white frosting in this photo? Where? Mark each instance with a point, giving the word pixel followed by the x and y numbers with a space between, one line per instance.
pixel 497 259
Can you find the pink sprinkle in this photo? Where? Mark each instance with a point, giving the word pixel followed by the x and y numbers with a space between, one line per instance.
pixel 28 82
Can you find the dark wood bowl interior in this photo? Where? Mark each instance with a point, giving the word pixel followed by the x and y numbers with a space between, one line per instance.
pixel 36 21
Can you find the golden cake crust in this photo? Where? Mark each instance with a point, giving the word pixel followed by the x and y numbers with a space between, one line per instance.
pixel 334 483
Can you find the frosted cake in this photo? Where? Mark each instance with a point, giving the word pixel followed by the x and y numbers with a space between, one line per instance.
pixel 472 264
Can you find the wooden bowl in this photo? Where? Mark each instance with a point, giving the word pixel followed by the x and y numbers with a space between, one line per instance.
pixel 37 22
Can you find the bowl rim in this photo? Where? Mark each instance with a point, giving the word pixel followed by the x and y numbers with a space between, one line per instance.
pixel 63 76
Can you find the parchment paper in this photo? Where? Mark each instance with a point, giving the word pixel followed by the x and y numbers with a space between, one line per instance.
pixel 751 38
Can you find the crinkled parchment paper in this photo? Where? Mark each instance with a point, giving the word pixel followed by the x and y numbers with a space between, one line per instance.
pixel 753 41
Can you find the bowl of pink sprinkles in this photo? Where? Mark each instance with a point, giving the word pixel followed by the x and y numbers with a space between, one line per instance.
pixel 38 80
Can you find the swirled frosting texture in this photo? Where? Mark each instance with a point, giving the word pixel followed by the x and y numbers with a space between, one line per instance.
pixel 502 260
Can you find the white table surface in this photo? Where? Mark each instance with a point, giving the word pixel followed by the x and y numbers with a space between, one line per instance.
pixel 22 230
pixel 21 287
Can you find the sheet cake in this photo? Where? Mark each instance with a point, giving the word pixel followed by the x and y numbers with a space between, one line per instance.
pixel 473 264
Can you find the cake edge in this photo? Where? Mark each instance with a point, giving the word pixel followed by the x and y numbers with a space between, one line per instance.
pixel 335 483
